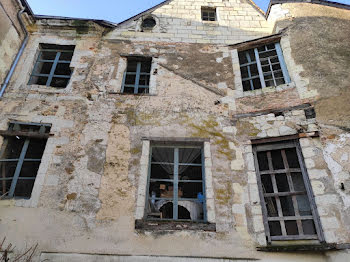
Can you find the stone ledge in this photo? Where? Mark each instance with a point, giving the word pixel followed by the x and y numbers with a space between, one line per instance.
pixel 157 225
pixel 321 247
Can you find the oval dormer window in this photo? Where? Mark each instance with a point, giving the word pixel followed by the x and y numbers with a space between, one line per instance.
pixel 148 23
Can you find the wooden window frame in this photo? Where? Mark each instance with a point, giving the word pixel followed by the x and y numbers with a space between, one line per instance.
pixel 14 130
pixel 258 60
pixel 315 217
pixel 54 62
pixel 176 181
pixel 137 74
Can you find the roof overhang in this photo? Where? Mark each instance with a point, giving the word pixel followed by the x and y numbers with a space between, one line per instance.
pixel 102 23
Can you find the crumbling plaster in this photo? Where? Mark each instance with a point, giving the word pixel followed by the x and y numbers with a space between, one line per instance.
pixel 86 196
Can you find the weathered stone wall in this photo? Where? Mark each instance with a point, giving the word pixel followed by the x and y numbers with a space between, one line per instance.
pixel 11 35
pixel 180 21
pixel 86 193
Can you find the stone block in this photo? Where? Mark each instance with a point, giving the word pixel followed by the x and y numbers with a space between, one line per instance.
pixel 286 130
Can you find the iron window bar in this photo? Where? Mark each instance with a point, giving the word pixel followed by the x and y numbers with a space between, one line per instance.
pixel 262 64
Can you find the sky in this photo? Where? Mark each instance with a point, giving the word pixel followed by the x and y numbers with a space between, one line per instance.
pixel 110 10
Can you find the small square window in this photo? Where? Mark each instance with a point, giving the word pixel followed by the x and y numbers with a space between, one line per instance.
pixel 208 14
pixel 52 67
pixel 137 75
pixel 288 205
pixel 263 67
pixel 20 158
pixel 176 189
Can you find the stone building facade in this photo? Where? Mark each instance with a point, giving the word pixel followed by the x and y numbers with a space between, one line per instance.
pixel 103 126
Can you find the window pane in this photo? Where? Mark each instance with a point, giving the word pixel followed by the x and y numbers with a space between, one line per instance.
pixel 45 55
pixel 254 70
pixel 244 72
pixel 246 86
pixel 63 69
pixel 162 171
pixel 24 188
pixel 242 58
pixel 190 190
pixel 14 147
pixel 267 183
pixel 190 155
pixel 303 205
pixel 190 172
pixel 161 189
pixel 130 79
pixel 59 82
pixel 144 80
pixel 143 90
pixel 277 160
pixel 43 68
pixel 163 154
pixel 257 83
pixel 291 227
pixel 308 227
pixel 298 182
pixel 269 83
pixel 275 228
pixel 263 162
pixel 36 148
pixel 132 66
pixel 66 56
pixel 271 206
pixel 146 66
pixel 188 209
pixel 282 183
pixel 128 90
pixel 7 170
pixel 38 80
pixel 292 158
pixel 29 169
pixel 287 206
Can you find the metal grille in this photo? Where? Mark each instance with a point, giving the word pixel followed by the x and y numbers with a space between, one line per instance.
pixel 286 196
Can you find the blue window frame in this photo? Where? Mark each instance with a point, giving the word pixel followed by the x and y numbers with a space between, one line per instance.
pixel 20 158
pixel 176 184
pixel 263 66
pixel 137 75
pixel 52 66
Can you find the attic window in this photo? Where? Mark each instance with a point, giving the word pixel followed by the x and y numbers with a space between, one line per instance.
pixel 52 67
pixel 137 75
pixel 148 23
pixel 208 14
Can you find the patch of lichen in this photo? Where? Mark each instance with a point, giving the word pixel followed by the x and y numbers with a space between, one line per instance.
pixel 137 118
pixel 245 128
pixel 224 195
pixel 210 128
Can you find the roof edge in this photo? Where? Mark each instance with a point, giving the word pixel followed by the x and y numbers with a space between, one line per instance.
pixel 27 7
pixel 320 2
pixel 100 22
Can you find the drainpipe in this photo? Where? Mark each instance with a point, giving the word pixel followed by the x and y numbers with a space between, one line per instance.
pixel 20 52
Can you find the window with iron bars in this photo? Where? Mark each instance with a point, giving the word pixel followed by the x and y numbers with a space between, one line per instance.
pixel 288 205
pixel 52 66
pixel 176 188
pixel 137 75
pixel 263 66
pixel 208 14
pixel 20 158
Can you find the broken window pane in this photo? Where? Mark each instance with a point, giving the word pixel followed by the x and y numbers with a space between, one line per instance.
pixel 176 181
pixel 49 66
pixel 19 164
pixel 271 207
pixel 277 160
pixel 263 162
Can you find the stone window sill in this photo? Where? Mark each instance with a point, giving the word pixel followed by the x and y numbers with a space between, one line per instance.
pixel 157 225
pixel 302 246
pixel 266 90
pixel 47 89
